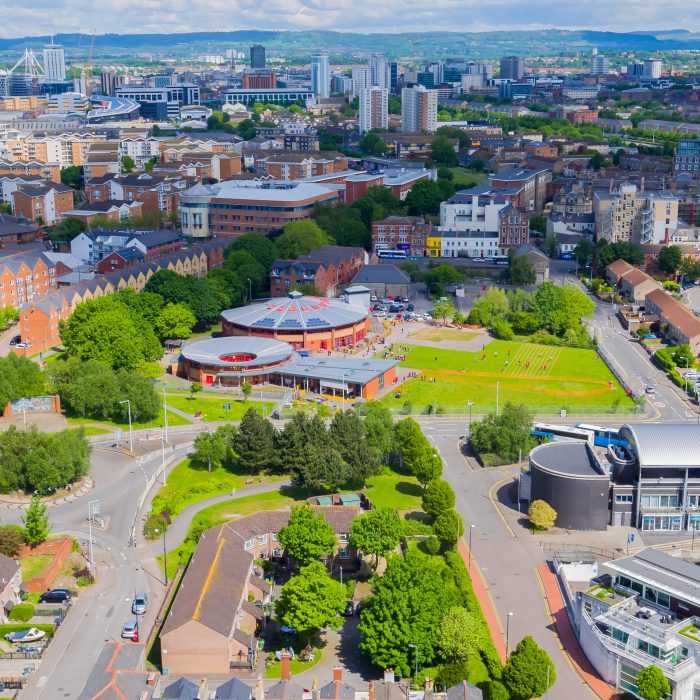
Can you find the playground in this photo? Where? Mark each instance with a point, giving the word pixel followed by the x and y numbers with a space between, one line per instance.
pixel 545 378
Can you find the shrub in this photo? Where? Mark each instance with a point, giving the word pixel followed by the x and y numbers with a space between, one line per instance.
pixel 502 329
pixel 438 497
pixel 155 521
pixel 21 613
pixel 474 318
pixel 451 674
pixel 495 690
pixel 414 526
pixel 431 545
pixel 11 540
pixel 542 515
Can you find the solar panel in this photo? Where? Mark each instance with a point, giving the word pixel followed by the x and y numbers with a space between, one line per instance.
pixel 316 321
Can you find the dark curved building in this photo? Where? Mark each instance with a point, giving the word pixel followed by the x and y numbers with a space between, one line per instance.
pixel 568 476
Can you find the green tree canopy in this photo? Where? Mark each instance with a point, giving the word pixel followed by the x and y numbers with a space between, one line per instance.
pixel 300 238
pixel 72 176
pixel 311 601
pixel 670 259
pixel 491 305
pixel 448 528
pixel 376 533
pixel 428 465
pixel 424 198
pixel 538 223
pixel 260 247
pixel 583 252
pixel 210 449
pixel 36 523
pixel 19 378
pixel 459 635
pixel 506 434
pixel 443 310
pixel 652 684
pixel 346 434
pixel 308 536
pixel 520 270
pixel 175 321
pixel 254 443
pixel 438 498
pixel 442 151
pixel 527 670
pixel 373 144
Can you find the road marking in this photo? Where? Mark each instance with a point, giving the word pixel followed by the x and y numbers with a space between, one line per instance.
pixel 660 404
pixel 123 555
pixel 42 681
pixel 494 503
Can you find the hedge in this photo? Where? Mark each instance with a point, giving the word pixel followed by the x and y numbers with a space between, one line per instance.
pixel 487 650
pixel 22 612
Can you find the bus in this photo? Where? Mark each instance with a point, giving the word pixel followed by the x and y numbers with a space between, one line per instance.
pixel 391 254
pixel 604 436
pixel 549 431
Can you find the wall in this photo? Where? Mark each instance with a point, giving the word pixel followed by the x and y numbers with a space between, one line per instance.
pixel 61 550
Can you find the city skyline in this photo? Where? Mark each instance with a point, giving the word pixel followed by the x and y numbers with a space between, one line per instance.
pixel 133 17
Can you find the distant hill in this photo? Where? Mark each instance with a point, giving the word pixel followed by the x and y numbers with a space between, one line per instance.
pixel 429 44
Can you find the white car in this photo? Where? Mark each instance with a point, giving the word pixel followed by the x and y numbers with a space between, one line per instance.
pixel 379 314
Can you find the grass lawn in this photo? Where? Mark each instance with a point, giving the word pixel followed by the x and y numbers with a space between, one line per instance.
pixel 19 626
pixel 34 565
pixel 544 378
pixel 463 177
pixel 213 406
pixel 93 430
pixel 398 491
pixel 190 482
pixel 274 670
pixel 157 422
pixel 437 335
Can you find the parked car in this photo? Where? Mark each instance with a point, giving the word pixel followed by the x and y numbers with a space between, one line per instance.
pixel 140 604
pixel 379 314
pixel 56 595
pixel 443 299
pixel 130 630
pixel 24 636
pixel 349 609
pixel 410 307
pixel 15 339
pixel 650 390
pixel 395 308
pixel 373 297
pixel 405 300
pixel 23 345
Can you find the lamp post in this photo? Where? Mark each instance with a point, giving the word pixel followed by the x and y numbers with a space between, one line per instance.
pixel 470 404
pixel 165 556
pixel 165 415
pixel 510 614
pixel 131 431
pixel 91 510
pixel 250 289
pixel 415 648
pixel 471 530
pixel 498 384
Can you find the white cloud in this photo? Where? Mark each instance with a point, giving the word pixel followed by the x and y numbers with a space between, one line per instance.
pixel 31 17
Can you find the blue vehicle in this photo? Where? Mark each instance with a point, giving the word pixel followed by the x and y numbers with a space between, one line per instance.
pixel 604 436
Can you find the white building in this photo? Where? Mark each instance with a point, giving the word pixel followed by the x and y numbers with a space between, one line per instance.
pixel 140 148
pixel 652 69
pixel 54 63
pixel 68 102
pixel 472 244
pixel 580 92
pixel 472 210
pixel 600 65
pixel 361 79
pixel 472 81
pixel 374 109
pixel 418 110
pixel 320 75
pixel 380 69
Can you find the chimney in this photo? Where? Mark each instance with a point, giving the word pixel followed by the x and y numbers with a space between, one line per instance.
pixel 259 692
pixel 286 666
pixel 315 690
pixel 389 675
pixel 337 673
pixel 371 691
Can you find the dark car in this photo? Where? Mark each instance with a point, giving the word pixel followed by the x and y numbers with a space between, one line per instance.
pixel 410 307
pixel 57 595
pixel 349 609
pixel 15 339
pixel 394 308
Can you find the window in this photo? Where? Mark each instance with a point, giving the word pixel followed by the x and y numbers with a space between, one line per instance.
pixel 248 545
pixel 623 498
pixel 344 553
pixel 262 539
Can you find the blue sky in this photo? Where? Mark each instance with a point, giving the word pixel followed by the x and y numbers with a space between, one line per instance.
pixel 31 17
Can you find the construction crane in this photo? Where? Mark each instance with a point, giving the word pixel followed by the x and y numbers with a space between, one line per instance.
pixel 87 69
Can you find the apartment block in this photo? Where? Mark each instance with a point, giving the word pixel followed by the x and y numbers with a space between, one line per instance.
pixel 630 214
pixel 374 109
pixel 687 157
pixel 406 233
pixel 44 203
pixel 418 110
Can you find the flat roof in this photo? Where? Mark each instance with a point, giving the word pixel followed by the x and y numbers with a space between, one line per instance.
pixel 263 190
pixel 573 459
pixel 664 444
pixel 220 352
pixel 342 370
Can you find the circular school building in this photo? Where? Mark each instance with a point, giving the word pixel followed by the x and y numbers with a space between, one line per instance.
pixel 313 323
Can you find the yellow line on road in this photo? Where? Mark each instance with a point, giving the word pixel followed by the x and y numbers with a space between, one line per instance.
pixel 494 503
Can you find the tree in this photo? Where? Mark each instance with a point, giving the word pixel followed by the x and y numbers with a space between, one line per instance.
pixel 307 537
pixel 36 523
pixel 448 528
pixel 72 176
pixel 373 144
pixel 427 466
pixel 323 468
pixel 409 441
pixel 652 684
pixel 459 635
pixel 175 321
pixel 527 671
pixel 300 238
pixel 424 198
pixel 506 434
pixel 128 164
pixel 254 443
pixel 520 269
pixel 683 356
pixel 11 540
pixel 583 252
pixel 376 532
pixel 542 515
pixel 378 425
pixel 261 248
pixel 441 275
pixel 549 245
pixel 502 329
pixel 346 434
pixel 438 498
pixel 246 390
pixel 311 601
pixel 443 310
pixel 141 394
pixel 670 259
pixel 538 223
pixel 643 331
pixel 19 377
pixel 491 305
pixel 210 448
pixel 442 151
pixel 195 388
pixel 196 292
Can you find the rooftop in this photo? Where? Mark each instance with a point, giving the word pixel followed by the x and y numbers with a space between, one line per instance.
pixel 665 444
pixel 570 458
pixel 232 352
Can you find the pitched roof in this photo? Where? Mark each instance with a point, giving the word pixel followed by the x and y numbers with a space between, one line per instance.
pixel 8 568
pixel 382 273
pixel 182 689
pixel 233 689
pixel 636 277
pixel 464 691
pixel 675 313
pixel 619 267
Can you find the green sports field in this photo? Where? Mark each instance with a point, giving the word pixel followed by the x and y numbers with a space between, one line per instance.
pixel 545 378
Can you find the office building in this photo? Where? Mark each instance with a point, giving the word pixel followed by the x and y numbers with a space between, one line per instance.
pixel 54 63
pixel 652 69
pixel 320 75
pixel 110 81
pixel 374 109
pixel 687 158
pixel 160 103
pixel 68 102
pixel 361 79
pixel 480 68
pixel 381 71
pixel 600 65
pixel 276 96
pixel 512 67
pixel 394 72
pixel 635 69
pixel 259 79
pixel 418 110
pixel 257 56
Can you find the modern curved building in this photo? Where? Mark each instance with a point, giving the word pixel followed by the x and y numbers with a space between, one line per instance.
pixel 314 323
pixel 568 476
pixel 233 360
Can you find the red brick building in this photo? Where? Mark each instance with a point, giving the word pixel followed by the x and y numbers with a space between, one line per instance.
pixel 45 203
pixel 513 228
pixel 407 233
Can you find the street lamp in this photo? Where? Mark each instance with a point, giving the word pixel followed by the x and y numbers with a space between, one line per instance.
pixel 415 648
pixel 470 404
pixel 131 431
pixel 471 530
pixel 250 290
pixel 165 415
pixel 510 614
pixel 165 556
pixel 91 512
pixel 498 384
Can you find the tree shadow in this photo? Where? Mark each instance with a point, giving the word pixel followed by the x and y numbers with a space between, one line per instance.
pixel 409 489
